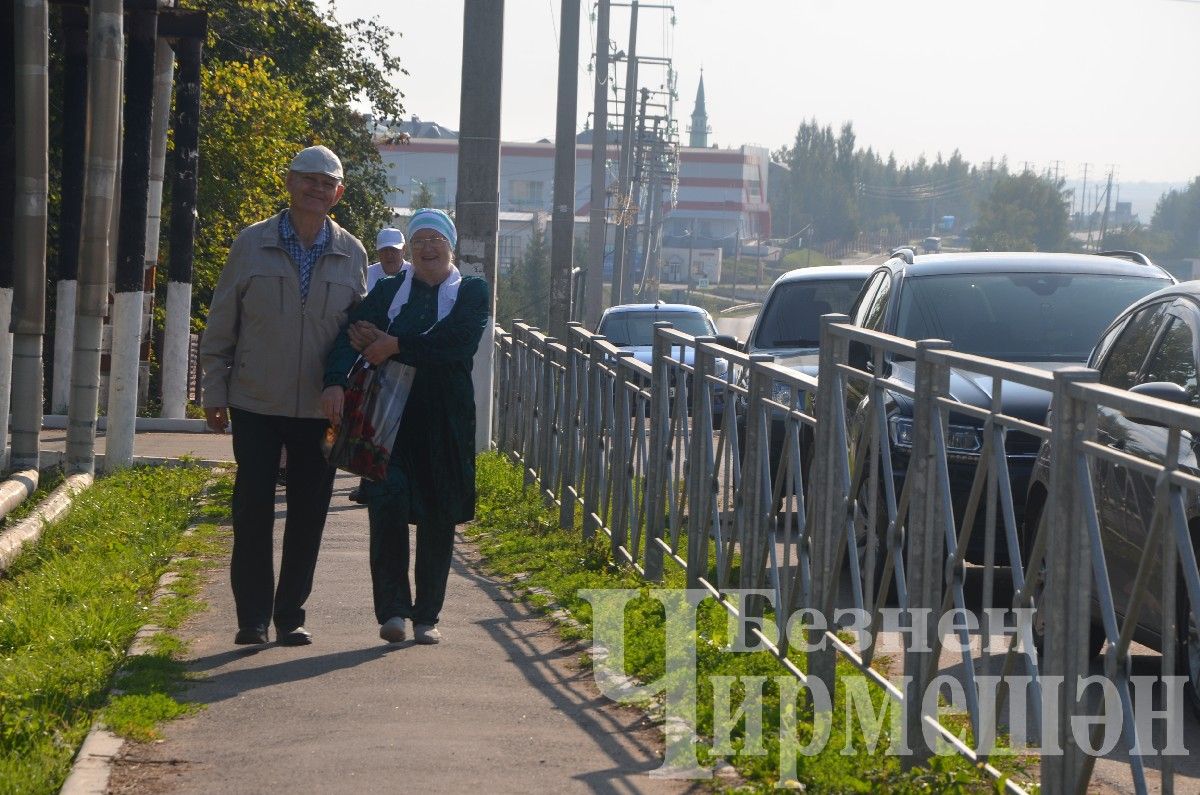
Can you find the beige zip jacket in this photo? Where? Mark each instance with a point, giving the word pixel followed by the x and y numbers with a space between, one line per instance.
pixel 263 350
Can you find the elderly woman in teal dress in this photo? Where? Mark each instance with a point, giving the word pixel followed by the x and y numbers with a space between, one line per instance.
pixel 428 315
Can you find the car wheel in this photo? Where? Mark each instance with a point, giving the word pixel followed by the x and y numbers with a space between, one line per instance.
pixel 1037 576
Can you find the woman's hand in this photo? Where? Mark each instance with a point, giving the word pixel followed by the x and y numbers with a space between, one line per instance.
pixel 383 348
pixel 331 404
pixel 362 333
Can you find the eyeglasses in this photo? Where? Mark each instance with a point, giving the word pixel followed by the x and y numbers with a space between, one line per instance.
pixel 428 242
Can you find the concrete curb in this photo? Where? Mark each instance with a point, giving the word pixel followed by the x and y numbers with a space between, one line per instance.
pixel 141 424
pixel 54 506
pixel 93 763
pixel 16 489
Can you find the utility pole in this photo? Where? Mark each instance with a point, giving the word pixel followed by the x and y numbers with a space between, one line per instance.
pixel 74 112
pixel 654 219
pixel 624 200
pixel 477 208
pixel 1107 204
pixel 593 299
pixel 635 196
pixel 182 235
pixel 32 55
pixel 8 191
pixel 1083 194
pixel 106 52
pixel 131 242
pixel 562 223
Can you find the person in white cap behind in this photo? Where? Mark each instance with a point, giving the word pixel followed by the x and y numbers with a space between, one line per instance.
pixel 283 296
pixel 389 248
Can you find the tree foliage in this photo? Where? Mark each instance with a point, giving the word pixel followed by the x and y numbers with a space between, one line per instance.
pixel 1177 220
pixel 422 198
pixel 1024 212
pixel 293 64
pixel 525 293
pixel 253 119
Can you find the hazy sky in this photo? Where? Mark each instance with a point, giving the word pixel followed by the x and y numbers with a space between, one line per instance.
pixel 1097 81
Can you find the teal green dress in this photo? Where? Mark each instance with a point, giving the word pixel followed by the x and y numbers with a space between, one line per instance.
pixel 432 467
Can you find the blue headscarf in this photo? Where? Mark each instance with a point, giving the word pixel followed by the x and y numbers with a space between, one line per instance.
pixel 437 220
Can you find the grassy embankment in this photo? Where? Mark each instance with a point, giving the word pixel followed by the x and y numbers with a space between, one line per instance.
pixel 70 606
pixel 517 535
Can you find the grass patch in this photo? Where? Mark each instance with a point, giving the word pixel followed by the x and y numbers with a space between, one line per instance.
pixel 69 608
pixel 519 538
pixel 807 258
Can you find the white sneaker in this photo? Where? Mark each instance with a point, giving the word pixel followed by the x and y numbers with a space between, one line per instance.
pixel 392 630
pixel 426 634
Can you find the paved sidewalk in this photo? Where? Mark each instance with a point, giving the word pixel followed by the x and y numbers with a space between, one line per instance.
pixel 500 706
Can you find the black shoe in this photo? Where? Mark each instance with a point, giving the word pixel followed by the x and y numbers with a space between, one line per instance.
pixel 251 636
pixel 281 478
pixel 296 637
pixel 356 495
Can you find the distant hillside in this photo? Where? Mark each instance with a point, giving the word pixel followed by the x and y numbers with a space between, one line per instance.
pixel 1144 195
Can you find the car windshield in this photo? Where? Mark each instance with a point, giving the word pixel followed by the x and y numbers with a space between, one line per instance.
pixel 1018 317
pixel 637 328
pixel 792 316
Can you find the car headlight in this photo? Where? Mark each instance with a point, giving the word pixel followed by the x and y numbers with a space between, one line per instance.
pixel 959 438
pixel 781 393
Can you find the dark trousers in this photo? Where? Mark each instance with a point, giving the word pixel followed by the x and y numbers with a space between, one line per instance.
pixel 257 441
pixel 390 588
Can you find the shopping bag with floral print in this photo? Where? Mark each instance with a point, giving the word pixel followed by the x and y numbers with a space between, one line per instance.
pixel 374 403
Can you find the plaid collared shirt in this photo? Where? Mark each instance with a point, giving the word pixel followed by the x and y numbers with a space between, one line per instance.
pixel 304 258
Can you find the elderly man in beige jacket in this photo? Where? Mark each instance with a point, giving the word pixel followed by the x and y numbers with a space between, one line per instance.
pixel 280 301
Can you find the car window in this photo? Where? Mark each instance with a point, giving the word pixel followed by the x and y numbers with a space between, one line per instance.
pixel 1120 367
pixel 865 299
pixel 874 315
pixel 1018 317
pixel 792 316
pixel 637 328
pixel 1174 359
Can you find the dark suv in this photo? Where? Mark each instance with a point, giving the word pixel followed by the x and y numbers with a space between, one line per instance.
pixel 1153 349
pixel 1041 310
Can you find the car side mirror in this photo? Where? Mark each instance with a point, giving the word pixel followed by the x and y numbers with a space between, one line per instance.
pixel 859 357
pixel 1163 390
pixel 728 341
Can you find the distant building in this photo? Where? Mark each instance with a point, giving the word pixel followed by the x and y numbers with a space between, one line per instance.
pixel 721 197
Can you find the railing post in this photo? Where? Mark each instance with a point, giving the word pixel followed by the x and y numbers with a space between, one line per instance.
pixel 700 479
pixel 593 440
pixel 925 563
pixel 660 453
pixel 828 492
pixel 529 386
pixel 499 387
pixel 1067 594
pixel 620 473
pixel 755 493
pixel 546 421
pixel 570 429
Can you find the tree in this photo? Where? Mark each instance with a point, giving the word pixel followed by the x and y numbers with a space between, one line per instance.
pixel 422 198
pixel 1024 212
pixel 1177 218
pixel 525 294
pixel 253 125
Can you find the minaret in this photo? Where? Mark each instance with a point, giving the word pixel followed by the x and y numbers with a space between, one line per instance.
pixel 699 130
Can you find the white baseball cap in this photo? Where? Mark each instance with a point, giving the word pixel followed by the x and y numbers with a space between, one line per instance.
pixel 389 237
pixel 317 160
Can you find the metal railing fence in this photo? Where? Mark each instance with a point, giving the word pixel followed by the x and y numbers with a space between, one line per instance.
pixel 750 475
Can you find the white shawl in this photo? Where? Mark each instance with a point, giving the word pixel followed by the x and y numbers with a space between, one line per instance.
pixel 447 294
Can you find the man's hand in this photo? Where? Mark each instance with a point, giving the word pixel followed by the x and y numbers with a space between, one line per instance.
pixel 217 418
pixel 331 404
pixel 362 333
pixel 383 348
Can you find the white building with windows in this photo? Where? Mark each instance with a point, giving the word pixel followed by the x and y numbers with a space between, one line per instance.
pixel 722 193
